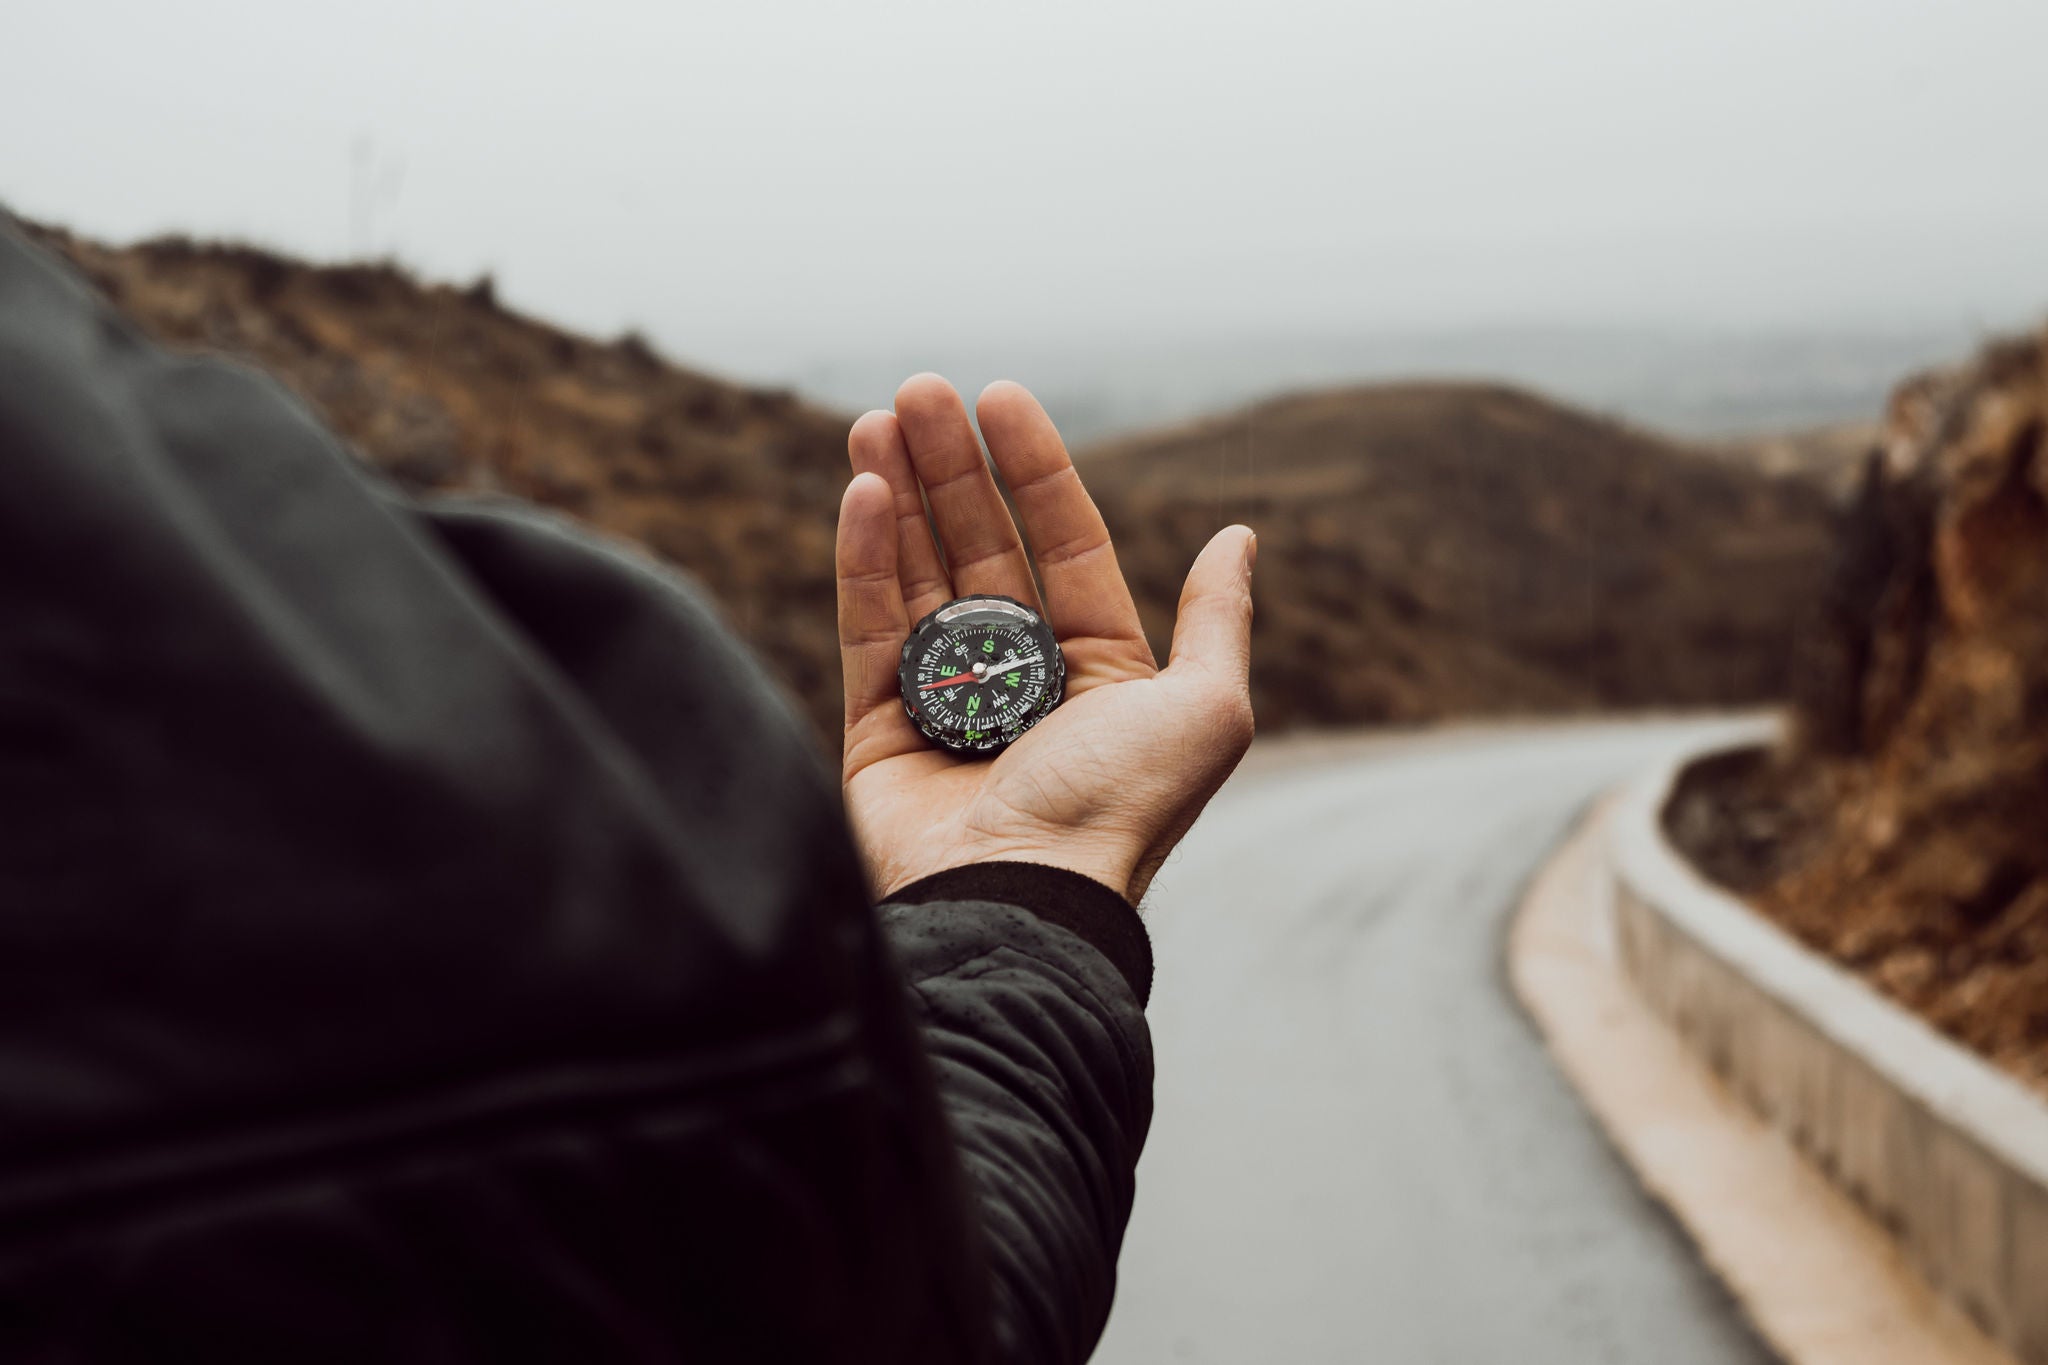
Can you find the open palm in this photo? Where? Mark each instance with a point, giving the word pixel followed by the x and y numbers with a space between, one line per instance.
pixel 1106 784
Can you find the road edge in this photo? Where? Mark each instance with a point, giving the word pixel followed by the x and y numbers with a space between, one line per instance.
pixel 1819 1281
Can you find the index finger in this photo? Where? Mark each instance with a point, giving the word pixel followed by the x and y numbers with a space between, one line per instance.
pixel 1085 594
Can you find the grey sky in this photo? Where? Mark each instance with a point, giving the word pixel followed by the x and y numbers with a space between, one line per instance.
pixel 759 185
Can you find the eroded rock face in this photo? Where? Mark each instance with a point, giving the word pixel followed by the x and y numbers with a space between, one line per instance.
pixel 1927 726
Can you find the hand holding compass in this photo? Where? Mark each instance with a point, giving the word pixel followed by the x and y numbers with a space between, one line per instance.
pixel 1068 745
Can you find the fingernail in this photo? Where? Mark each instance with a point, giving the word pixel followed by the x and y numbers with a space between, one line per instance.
pixel 1251 551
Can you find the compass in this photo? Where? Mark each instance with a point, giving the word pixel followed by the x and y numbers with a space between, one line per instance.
pixel 980 671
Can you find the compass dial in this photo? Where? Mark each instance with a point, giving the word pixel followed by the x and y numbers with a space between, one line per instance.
pixel 979 672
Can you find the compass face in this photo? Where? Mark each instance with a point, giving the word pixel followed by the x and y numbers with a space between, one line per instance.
pixel 979 672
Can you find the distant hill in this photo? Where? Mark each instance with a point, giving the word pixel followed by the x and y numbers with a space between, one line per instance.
pixel 1442 549
pixel 1833 455
pixel 1425 549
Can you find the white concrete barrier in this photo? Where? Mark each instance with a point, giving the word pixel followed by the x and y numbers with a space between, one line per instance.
pixel 1948 1153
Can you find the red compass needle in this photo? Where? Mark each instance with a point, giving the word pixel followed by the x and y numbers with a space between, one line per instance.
pixel 948 682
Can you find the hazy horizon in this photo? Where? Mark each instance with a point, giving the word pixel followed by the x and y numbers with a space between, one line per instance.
pixel 1703 383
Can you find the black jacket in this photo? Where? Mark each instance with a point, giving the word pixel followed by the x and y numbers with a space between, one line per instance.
pixel 426 935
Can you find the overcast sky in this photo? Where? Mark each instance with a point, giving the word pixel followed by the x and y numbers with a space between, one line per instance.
pixel 761 184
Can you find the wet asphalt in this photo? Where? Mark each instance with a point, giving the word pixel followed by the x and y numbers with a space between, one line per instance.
pixel 1361 1151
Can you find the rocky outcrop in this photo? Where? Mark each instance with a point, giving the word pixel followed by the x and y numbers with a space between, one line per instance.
pixel 1906 831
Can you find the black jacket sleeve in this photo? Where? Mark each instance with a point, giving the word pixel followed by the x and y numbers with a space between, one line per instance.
pixel 1030 985
pixel 425 935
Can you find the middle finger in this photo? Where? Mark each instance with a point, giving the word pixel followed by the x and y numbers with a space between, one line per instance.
pixel 973 523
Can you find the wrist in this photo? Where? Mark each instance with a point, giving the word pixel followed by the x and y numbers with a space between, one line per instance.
pixel 1100 860
pixel 1115 871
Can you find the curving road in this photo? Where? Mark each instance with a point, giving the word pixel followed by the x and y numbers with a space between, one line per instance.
pixel 1361 1151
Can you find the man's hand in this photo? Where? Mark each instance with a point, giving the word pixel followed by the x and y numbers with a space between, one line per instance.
pixel 1108 783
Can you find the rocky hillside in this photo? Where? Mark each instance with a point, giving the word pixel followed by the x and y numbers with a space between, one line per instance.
pixel 1435 549
pixel 442 388
pixel 1425 550
pixel 1906 831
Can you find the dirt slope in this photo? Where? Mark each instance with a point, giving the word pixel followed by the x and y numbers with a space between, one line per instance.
pixel 442 388
pixel 1434 549
pixel 1425 550
pixel 1906 832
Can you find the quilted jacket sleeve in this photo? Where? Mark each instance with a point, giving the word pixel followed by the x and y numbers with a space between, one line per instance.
pixel 1029 985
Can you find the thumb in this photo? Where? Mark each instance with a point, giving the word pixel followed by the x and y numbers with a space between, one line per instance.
pixel 1213 631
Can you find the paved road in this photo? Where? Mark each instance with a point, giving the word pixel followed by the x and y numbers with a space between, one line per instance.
pixel 1361 1151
